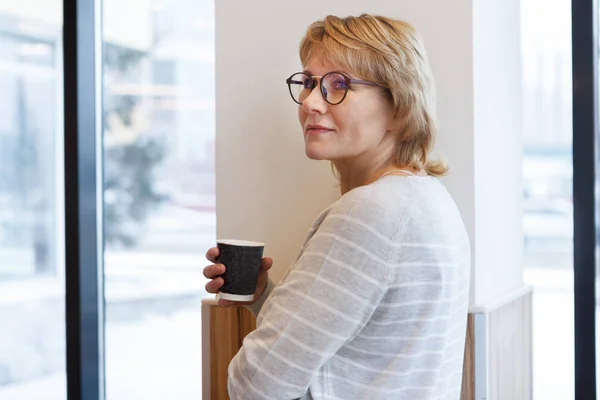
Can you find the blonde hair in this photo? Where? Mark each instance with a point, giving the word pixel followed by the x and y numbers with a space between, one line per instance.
pixel 392 54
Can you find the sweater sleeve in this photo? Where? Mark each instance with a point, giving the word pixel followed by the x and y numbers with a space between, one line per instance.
pixel 256 307
pixel 325 300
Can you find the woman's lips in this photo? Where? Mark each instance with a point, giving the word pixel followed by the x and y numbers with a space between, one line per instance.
pixel 317 130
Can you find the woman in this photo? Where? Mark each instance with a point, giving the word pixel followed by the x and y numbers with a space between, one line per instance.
pixel 375 305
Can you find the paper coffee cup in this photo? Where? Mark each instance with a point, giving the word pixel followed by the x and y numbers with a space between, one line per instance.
pixel 242 261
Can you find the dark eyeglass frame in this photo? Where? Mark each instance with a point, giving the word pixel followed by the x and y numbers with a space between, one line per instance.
pixel 315 82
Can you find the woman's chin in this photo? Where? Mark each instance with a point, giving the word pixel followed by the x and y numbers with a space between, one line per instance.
pixel 317 151
pixel 316 155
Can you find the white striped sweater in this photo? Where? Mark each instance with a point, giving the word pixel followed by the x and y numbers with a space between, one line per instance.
pixel 374 307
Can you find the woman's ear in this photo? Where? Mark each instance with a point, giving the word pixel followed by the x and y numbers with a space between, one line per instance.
pixel 393 127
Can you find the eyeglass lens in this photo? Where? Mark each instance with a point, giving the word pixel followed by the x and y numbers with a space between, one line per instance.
pixel 333 87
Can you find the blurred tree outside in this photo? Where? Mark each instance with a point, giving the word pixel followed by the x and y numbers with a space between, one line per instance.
pixel 131 153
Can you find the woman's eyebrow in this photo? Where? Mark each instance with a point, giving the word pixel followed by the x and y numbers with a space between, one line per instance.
pixel 339 70
pixel 344 72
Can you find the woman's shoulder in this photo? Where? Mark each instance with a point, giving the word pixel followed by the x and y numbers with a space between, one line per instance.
pixel 374 205
pixel 383 196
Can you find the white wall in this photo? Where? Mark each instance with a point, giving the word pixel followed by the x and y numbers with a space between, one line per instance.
pixel 266 188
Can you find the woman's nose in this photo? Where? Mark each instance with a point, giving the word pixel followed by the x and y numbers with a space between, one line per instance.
pixel 314 102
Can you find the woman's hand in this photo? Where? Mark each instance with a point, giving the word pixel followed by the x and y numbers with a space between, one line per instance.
pixel 214 271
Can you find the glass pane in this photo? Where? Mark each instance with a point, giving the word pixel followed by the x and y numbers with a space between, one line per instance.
pixel 32 292
pixel 547 178
pixel 159 193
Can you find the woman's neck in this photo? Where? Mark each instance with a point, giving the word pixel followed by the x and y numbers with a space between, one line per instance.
pixel 352 178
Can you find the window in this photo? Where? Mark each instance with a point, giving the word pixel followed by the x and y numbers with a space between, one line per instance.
pixel 548 206
pixel 159 206
pixel 32 293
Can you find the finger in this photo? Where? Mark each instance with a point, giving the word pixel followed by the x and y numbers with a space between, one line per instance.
pixel 214 270
pixel 214 285
pixel 228 303
pixel 266 264
pixel 212 254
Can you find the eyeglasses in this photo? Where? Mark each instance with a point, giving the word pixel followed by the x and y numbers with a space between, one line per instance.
pixel 334 86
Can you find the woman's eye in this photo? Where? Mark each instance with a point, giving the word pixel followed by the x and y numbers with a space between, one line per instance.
pixel 339 85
